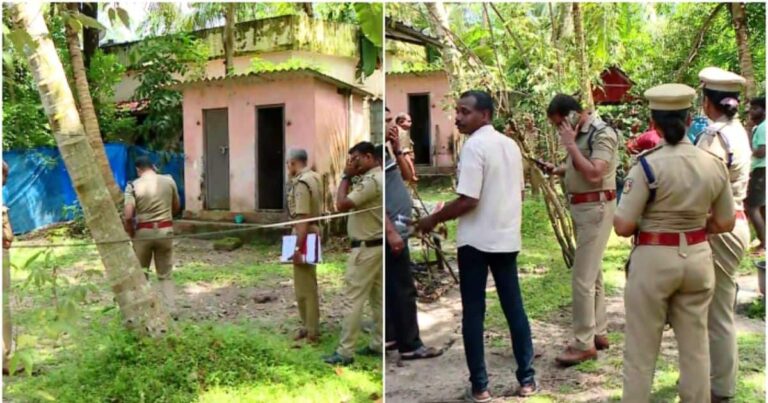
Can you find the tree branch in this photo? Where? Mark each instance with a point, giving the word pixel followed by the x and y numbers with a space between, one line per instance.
pixel 699 41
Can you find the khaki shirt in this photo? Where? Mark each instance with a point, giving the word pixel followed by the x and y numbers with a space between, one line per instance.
pixel 7 230
pixel 604 147
pixel 304 194
pixel 404 137
pixel 690 183
pixel 153 196
pixel 738 140
pixel 367 193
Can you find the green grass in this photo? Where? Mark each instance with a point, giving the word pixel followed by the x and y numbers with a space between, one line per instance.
pixel 206 362
pixel 91 357
pixel 545 280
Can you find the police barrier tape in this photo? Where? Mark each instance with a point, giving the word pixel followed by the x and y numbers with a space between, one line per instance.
pixel 246 227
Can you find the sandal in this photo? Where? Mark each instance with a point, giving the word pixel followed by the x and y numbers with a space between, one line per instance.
pixel 421 353
pixel 470 397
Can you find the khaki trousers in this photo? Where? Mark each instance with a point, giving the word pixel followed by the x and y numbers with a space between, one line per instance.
pixel 675 283
pixel 728 250
pixel 161 250
pixel 7 329
pixel 363 282
pixel 593 223
pixel 305 287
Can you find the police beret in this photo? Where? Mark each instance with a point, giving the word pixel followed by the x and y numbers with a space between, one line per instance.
pixel 670 97
pixel 718 79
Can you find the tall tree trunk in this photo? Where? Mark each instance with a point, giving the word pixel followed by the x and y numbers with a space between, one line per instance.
pixel 229 38
pixel 583 62
pixel 439 19
pixel 87 111
pixel 90 35
pixel 139 305
pixel 739 14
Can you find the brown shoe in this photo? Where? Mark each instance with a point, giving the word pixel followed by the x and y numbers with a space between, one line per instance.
pixel 302 333
pixel 527 390
pixel 313 340
pixel 602 343
pixel 572 356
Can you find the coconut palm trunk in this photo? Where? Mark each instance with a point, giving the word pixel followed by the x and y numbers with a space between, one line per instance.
pixel 87 111
pixel 583 61
pixel 739 14
pixel 139 305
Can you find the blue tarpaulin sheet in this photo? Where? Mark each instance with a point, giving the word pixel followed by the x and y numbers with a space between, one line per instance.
pixel 39 192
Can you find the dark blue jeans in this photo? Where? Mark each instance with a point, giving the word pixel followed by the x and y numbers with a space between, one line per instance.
pixel 473 275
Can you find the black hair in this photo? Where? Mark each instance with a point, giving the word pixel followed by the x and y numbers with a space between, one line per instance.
pixel 562 105
pixel 364 147
pixel 143 162
pixel 671 123
pixel 719 99
pixel 379 154
pixel 758 101
pixel 483 100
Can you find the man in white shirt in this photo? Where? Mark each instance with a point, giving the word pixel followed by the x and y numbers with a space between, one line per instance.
pixel 489 209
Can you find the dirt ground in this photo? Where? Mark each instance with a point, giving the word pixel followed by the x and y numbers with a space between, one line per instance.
pixel 271 301
pixel 445 378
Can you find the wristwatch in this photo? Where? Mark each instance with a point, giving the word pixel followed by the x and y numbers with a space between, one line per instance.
pixel 296 249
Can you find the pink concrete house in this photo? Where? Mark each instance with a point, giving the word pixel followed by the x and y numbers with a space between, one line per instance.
pixel 238 129
pixel 416 87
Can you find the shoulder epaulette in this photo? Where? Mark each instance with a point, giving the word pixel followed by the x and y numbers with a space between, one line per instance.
pixel 650 176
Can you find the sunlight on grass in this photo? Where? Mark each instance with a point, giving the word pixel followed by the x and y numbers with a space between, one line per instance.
pixel 206 362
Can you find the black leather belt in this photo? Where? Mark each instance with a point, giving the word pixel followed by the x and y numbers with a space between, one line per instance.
pixel 372 242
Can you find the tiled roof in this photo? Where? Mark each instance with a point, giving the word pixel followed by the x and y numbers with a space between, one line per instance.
pixel 274 73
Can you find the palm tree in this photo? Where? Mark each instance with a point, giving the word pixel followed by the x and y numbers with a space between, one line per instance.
pixel 87 111
pixel 139 305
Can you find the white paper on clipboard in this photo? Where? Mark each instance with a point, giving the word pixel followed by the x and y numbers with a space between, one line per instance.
pixel 314 252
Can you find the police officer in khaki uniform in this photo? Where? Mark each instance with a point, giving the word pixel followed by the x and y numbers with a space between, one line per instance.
pixel 590 179
pixel 7 241
pixel 666 205
pixel 728 139
pixel 364 266
pixel 304 201
pixel 152 200
pixel 403 123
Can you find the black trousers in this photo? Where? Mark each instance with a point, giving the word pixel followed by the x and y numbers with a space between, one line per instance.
pixel 401 315
pixel 473 276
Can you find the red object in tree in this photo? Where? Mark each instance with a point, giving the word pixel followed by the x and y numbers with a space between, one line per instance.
pixel 645 141
pixel 615 87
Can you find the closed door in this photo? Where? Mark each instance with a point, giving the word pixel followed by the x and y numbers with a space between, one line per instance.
pixel 270 132
pixel 216 133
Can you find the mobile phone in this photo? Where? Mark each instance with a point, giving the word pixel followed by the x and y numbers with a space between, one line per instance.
pixel 541 164
pixel 573 119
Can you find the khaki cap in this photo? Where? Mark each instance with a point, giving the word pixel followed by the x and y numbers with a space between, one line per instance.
pixel 718 79
pixel 670 97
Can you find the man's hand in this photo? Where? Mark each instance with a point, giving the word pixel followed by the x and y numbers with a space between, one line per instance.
pixel 393 136
pixel 350 169
pixel 7 243
pixel 298 257
pixel 548 167
pixel 395 242
pixel 567 134
pixel 426 224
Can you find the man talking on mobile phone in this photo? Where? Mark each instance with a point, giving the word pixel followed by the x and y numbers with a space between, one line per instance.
pixel 590 180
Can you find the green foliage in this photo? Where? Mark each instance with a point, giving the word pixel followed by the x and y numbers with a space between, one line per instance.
pixel 104 74
pixel 158 62
pixel 259 65
pixel 209 362
pixel 756 310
